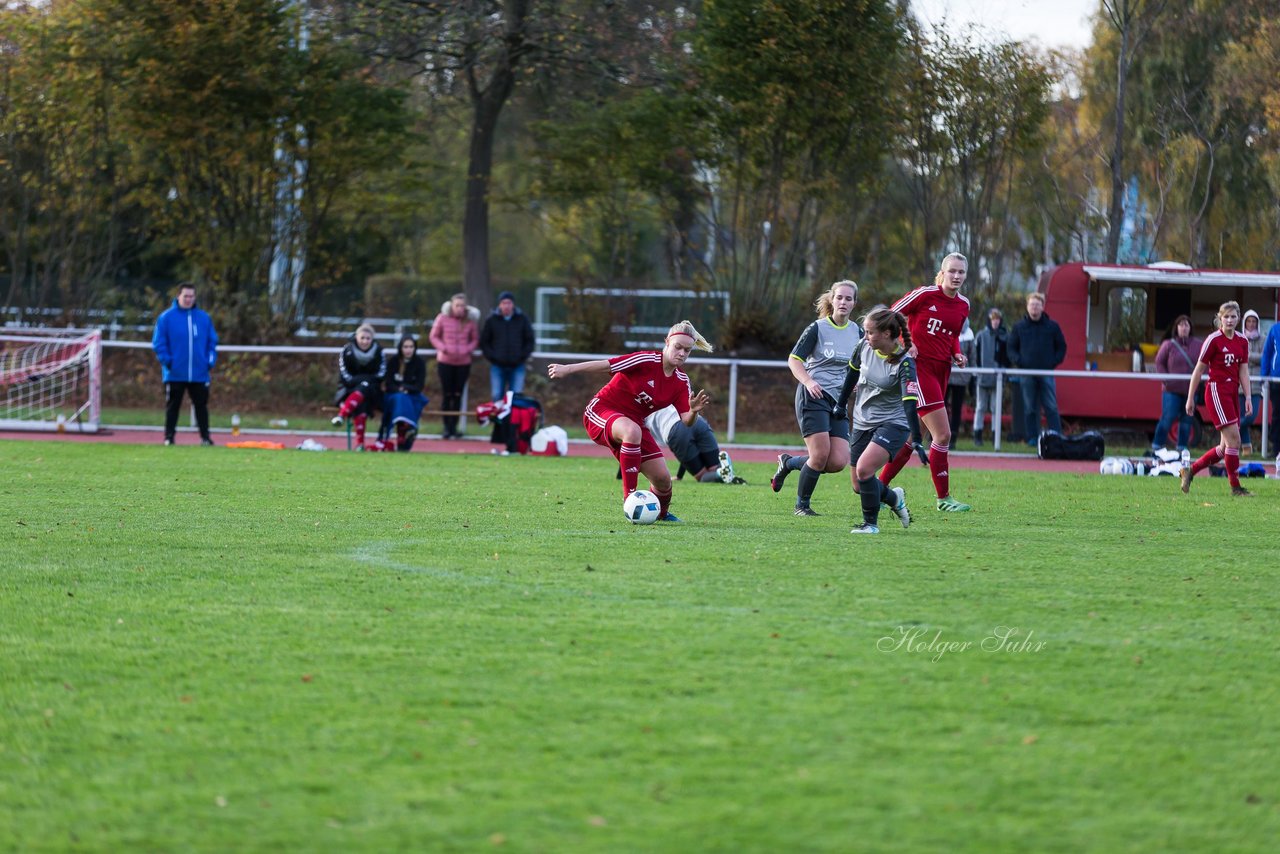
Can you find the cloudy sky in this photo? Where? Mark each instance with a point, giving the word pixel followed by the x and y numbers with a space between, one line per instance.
pixel 1053 23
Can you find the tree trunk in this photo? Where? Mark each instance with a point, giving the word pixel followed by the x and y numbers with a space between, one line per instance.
pixel 1115 213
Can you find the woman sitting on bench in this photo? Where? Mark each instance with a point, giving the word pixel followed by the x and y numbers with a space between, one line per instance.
pixel 402 406
pixel 361 367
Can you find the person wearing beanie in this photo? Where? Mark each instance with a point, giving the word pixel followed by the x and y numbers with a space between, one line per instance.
pixel 1251 330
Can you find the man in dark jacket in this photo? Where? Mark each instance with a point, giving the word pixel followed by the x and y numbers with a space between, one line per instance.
pixel 1036 343
pixel 990 350
pixel 186 347
pixel 507 342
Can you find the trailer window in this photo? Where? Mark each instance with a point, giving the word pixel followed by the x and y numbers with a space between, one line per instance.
pixel 1126 318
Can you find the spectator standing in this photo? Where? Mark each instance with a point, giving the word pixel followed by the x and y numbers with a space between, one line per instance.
pixel 1036 343
pixel 361 367
pixel 958 384
pixel 1177 355
pixel 455 335
pixel 1249 328
pixel 507 342
pixel 186 346
pixel 1270 368
pixel 403 399
pixel 990 350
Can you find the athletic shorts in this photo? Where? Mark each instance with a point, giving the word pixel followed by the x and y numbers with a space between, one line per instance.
pixel 695 447
pixel 891 437
pixel 819 416
pixel 598 419
pixel 932 376
pixel 1223 402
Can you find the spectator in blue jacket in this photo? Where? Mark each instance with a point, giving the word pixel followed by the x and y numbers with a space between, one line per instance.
pixel 1036 343
pixel 187 347
pixel 1270 368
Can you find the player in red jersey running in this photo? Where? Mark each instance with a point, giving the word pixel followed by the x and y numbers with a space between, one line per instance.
pixel 935 315
pixel 1225 357
pixel 642 383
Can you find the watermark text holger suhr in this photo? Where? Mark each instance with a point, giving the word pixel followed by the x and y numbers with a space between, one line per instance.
pixel 921 641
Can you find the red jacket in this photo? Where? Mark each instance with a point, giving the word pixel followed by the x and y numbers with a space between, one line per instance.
pixel 454 340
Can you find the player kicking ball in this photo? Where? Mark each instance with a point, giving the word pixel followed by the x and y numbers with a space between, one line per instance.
pixel 642 383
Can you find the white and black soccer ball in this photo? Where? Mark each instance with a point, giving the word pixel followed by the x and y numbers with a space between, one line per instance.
pixel 641 507
pixel 1115 465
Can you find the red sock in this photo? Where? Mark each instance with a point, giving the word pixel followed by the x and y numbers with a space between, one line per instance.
pixel 664 500
pixel 352 403
pixel 629 458
pixel 1210 457
pixel 891 468
pixel 1233 467
pixel 939 460
pixel 359 424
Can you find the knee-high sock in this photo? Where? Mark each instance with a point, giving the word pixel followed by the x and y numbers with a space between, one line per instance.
pixel 808 481
pixel 939 461
pixel 891 468
pixel 1232 460
pixel 797 463
pixel 359 423
pixel 869 492
pixel 629 458
pixel 1210 457
pixel 664 500
pixel 351 404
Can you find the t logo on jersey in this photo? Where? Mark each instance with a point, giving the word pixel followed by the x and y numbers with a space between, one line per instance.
pixel 1228 358
pixel 644 399
pixel 933 325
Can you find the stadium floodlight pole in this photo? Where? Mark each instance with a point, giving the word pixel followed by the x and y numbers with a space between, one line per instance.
pixel 288 254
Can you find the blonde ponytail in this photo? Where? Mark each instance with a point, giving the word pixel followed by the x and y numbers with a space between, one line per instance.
pixel 684 327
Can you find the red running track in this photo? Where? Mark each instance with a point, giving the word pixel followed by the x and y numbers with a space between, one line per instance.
pixel 426 444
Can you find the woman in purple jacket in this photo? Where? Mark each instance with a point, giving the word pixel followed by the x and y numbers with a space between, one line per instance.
pixel 1177 355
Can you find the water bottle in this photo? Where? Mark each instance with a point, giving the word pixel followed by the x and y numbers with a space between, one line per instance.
pixel 62 426
pixel 235 424
pixel 1186 458
pixel 1277 471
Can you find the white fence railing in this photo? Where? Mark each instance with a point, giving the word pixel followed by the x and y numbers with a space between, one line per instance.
pixel 735 365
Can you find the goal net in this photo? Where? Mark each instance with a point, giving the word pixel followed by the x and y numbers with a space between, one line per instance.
pixel 50 381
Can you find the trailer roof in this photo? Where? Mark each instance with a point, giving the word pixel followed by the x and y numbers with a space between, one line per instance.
pixel 1150 276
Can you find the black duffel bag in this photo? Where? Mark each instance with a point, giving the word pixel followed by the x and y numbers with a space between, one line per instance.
pixel 1087 446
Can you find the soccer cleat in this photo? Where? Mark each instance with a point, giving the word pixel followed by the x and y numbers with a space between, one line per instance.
pixel 1240 492
pixel 168 442
pixel 950 505
pixel 206 441
pixel 1185 475
pixel 780 474
pixel 725 470
pixel 737 480
pixel 806 511
pixel 901 511
pixel 337 420
pixel 864 528
pixel 670 517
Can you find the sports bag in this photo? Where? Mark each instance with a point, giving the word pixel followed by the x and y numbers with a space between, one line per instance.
pixel 1087 446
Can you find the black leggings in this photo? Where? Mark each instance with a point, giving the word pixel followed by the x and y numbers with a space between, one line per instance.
pixel 453 381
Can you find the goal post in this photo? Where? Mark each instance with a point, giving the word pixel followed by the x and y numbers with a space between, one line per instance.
pixel 51 381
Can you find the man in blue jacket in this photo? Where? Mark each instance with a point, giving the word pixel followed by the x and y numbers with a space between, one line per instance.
pixel 187 348
pixel 1270 369
pixel 1036 343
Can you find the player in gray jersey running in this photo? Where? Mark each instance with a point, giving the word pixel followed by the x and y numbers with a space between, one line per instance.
pixel 883 375
pixel 818 362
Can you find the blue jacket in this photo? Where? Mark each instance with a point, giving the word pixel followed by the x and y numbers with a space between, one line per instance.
pixel 1037 345
pixel 1270 366
pixel 185 344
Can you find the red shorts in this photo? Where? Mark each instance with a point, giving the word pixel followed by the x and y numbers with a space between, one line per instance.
pixel 932 376
pixel 598 419
pixel 1223 402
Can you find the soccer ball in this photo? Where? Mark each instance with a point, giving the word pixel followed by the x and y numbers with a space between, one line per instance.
pixel 641 507
pixel 1116 465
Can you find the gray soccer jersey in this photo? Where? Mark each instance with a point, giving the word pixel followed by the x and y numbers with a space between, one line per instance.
pixel 826 350
pixel 882 386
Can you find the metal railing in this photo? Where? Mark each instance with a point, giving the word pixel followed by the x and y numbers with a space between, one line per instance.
pixel 735 365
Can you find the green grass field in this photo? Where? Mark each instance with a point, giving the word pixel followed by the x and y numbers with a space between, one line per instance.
pixel 210 649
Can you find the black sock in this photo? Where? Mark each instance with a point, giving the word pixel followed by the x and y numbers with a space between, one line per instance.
pixel 869 492
pixel 887 498
pixel 797 463
pixel 808 482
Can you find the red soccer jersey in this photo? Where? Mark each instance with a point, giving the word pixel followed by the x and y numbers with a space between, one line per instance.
pixel 935 321
pixel 1224 356
pixel 640 388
